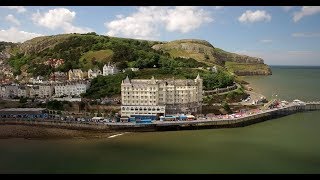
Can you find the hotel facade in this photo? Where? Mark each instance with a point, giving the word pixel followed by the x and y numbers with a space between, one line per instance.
pixel 152 97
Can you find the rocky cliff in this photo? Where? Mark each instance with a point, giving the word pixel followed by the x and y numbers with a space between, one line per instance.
pixel 203 51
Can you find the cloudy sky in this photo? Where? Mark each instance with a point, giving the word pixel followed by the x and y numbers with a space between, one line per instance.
pixel 281 35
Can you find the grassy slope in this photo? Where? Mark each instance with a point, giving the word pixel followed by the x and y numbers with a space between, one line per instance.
pixel 149 72
pixel 182 53
pixel 103 56
pixel 233 66
pixel 174 52
pixel 216 56
pixel 44 42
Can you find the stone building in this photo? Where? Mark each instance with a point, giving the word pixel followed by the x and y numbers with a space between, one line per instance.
pixel 158 97
pixel 33 91
pixel 46 91
pixel 93 73
pixel 71 88
pixel 11 91
pixel 58 76
pixel 109 69
pixel 75 74
pixel 22 91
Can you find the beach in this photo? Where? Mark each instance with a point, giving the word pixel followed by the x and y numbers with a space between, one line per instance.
pixel 42 132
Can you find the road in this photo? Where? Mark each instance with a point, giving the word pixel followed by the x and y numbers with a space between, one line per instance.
pixel 253 97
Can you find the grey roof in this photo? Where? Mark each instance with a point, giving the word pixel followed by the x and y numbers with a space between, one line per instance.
pixel 22 109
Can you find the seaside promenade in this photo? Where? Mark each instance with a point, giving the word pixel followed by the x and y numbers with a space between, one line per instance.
pixel 224 121
pixel 218 121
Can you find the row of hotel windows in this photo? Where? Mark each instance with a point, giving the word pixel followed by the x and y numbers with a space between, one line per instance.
pixel 154 93
pixel 64 87
pixel 140 97
pixel 160 97
pixel 141 113
pixel 160 89
pixel 140 109
pixel 142 93
pixel 127 102
pixel 124 101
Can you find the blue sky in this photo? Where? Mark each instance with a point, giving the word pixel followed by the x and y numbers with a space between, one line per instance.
pixel 281 35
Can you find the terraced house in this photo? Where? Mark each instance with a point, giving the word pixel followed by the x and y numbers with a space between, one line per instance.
pixel 75 74
pixel 71 88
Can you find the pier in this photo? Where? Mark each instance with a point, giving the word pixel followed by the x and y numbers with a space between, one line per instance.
pixel 246 120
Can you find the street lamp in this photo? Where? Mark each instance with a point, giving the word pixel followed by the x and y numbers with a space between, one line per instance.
pixel 274 94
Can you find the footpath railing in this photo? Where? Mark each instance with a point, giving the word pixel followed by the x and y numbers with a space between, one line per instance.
pixel 221 90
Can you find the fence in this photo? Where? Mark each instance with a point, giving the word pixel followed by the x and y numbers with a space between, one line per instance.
pixel 221 90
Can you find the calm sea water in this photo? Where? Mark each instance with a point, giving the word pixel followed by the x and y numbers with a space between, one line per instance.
pixel 289 83
pixel 284 145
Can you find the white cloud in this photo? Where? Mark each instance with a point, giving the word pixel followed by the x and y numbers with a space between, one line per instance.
pixel 266 41
pixel 306 34
pixel 287 8
pixel 119 16
pixel 185 19
pixel 19 9
pixel 12 19
pixel 54 18
pixel 59 18
pixel 145 22
pixel 14 35
pixel 306 11
pixel 256 16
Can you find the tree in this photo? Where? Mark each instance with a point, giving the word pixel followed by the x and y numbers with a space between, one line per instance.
pixel 226 107
pixel 122 65
pixel 23 100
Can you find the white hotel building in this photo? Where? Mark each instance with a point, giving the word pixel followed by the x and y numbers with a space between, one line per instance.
pixel 158 97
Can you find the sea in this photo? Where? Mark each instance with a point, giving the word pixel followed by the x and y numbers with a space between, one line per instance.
pixel 286 145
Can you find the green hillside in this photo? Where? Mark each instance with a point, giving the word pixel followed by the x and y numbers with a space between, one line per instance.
pixel 203 51
pixel 92 59
pixel 247 69
pixel 179 59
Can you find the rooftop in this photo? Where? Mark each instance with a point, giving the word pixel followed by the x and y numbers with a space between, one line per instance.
pixel 22 109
